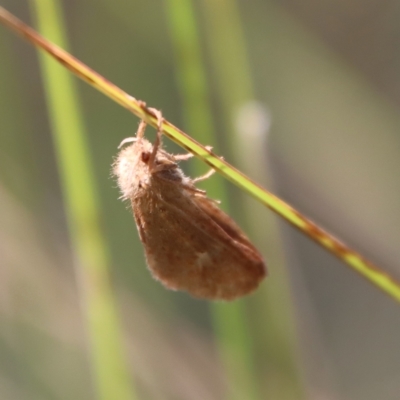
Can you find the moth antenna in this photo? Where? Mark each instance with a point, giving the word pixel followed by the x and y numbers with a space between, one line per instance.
pixel 127 140
pixel 157 142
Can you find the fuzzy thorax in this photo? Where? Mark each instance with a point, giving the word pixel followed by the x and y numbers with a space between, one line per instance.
pixel 134 172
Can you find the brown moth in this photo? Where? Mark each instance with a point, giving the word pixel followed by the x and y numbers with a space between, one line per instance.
pixel 190 244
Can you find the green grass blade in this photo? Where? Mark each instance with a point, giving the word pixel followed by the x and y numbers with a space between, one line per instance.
pixel 274 308
pixel 108 362
pixel 229 320
pixel 189 71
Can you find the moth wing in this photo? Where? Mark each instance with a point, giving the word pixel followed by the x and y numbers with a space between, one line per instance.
pixel 226 223
pixel 197 248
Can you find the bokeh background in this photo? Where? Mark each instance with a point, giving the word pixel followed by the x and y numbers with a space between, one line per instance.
pixel 302 96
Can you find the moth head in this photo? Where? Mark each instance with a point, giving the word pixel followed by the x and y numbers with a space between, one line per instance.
pixel 132 166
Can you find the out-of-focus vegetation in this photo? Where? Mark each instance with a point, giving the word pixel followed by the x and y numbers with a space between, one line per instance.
pixel 309 108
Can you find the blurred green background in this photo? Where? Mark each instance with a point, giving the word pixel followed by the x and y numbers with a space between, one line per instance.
pixel 303 97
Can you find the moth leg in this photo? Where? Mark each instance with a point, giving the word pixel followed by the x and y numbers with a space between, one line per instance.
pixel 187 156
pixel 208 174
pixel 182 157
pixel 141 129
pixel 205 176
pixel 157 142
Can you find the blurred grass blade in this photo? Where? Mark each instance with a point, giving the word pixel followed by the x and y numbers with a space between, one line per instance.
pixel 108 362
pixel 189 71
pixel 229 320
pixel 375 275
pixel 273 305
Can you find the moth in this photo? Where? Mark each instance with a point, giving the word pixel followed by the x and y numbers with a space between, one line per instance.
pixel 189 243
